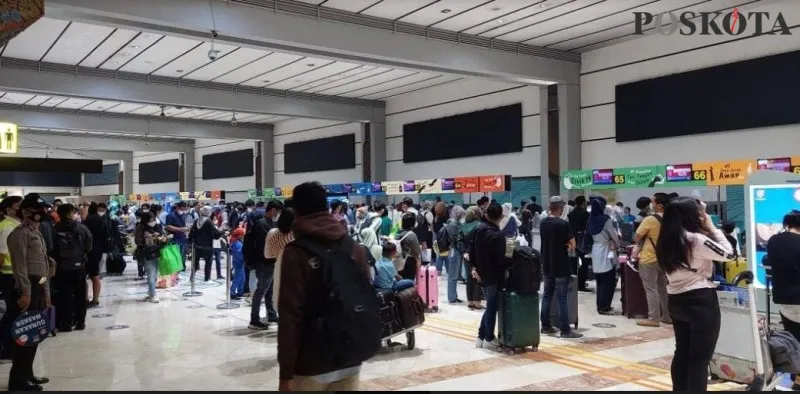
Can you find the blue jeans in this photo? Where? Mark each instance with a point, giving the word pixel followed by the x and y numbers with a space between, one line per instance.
pixel 218 259
pixel 237 281
pixel 559 286
pixel 440 262
pixel 489 319
pixel 151 266
pixel 402 284
pixel 453 272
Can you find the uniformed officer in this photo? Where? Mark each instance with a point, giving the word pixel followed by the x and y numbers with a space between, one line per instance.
pixel 32 269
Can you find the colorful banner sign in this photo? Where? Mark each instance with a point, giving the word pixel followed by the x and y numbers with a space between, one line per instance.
pixel 470 184
pixel 493 183
pixel 717 173
pixel 392 188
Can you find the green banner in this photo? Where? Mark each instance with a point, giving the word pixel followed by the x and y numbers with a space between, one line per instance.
pixel 624 178
pixel 577 179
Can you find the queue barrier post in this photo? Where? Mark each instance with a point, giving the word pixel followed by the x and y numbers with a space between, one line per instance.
pixel 193 292
pixel 228 304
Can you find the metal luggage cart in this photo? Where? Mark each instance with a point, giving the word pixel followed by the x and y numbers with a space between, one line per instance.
pixel 742 352
pixel 411 339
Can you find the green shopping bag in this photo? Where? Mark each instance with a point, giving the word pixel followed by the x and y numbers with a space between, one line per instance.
pixel 169 260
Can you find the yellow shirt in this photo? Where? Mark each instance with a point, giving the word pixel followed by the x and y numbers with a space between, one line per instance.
pixel 648 230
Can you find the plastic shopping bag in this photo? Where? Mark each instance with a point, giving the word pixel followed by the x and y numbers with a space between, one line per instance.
pixel 169 260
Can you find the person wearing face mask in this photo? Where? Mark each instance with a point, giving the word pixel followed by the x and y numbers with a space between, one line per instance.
pixel 101 244
pixel 202 236
pixel 71 249
pixel 176 225
pixel 150 238
pixel 10 206
pixel 31 267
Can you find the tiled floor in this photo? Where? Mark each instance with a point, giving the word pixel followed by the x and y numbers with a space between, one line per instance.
pixel 189 344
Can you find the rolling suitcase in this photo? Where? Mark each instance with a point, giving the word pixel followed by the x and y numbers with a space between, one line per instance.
pixel 634 299
pixel 428 287
pixel 518 323
pixel 411 307
pixel 390 314
pixel 572 303
pixel 115 263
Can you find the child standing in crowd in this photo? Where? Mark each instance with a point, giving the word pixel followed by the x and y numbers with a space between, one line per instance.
pixel 237 258
pixel 386 276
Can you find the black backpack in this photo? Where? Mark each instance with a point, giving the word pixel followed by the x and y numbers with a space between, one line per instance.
pixel 70 249
pixel 423 228
pixel 525 273
pixel 249 247
pixel 349 326
pixel 443 239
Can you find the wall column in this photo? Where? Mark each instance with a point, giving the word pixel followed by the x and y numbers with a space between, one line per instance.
pixel 268 159
pixel 376 149
pixel 188 168
pixel 547 188
pixel 127 174
pixel 569 129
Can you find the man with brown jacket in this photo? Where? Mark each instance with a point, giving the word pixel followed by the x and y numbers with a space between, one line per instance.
pixel 303 294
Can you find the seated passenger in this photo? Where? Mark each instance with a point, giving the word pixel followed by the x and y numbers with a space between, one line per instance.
pixel 386 276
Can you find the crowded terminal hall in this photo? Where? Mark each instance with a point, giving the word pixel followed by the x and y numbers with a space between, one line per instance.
pixel 417 195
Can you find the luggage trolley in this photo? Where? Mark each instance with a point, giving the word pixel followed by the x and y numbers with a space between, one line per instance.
pixel 393 324
pixel 742 352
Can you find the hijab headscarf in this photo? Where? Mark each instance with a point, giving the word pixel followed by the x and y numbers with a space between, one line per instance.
pixel 508 215
pixel 370 240
pixel 205 213
pixel 457 213
pixel 597 217
pixel 474 213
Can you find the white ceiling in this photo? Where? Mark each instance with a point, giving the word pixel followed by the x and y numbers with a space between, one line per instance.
pixel 102 47
pixel 29 99
pixel 571 25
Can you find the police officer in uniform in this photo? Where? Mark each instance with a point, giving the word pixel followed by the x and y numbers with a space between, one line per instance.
pixel 32 270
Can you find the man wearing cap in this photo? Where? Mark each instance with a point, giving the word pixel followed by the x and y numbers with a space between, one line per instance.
pixel 557 240
pixel 31 268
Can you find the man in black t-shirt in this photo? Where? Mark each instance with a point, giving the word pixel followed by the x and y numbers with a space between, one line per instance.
pixel 578 219
pixel 557 240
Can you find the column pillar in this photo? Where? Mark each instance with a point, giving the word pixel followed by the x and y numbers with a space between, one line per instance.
pixel 127 173
pixel 268 159
pixel 377 149
pixel 188 168
pixel 569 129
pixel 547 188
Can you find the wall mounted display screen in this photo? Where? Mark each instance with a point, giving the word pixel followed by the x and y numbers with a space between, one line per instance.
pixel 750 94
pixel 602 177
pixel 679 173
pixel 233 164
pixel 323 154
pixel 482 133
pixel 158 172
pixel 781 164
pixel 53 179
pixel 29 164
pixel 109 176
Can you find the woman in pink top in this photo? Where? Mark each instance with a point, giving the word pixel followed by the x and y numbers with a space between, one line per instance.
pixel 686 249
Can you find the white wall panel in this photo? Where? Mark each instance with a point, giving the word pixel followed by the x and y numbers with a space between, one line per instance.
pixel 655 56
pixel 206 146
pixel 146 157
pixel 297 130
pixel 460 98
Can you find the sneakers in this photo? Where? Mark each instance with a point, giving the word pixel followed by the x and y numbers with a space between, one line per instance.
pixel 549 330
pixel 609 312
pixel 273 320
pixel 248 301
pixel 147 299
pixel 93 304
pixel 479 343
pixel 571 335
pixel 257 325
pixel 80 326
pixel 154 300
pixel 491 345
pixel 457 301
pixel 648 323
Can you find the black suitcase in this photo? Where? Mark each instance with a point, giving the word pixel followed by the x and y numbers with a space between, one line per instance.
pixel 115 265
pixel 390 314
pixel 572 304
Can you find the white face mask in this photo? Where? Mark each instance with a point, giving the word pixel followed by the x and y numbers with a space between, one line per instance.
pixel 101 213
pixel 151 224
pixel 76 216
pixel 145 210
pixel 249 209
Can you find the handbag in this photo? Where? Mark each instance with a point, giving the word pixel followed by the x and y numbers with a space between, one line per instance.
pixel 169 260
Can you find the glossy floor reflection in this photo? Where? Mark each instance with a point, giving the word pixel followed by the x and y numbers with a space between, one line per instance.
pixel 188 344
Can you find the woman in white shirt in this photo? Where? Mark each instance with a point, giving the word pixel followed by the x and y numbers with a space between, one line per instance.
pixel 686 250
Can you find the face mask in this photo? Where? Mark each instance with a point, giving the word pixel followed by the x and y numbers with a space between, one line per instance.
pixel 151 224
pixel 76 216
pixel 101 213
pixel 249 209
pixel 277 217
pixel 145 210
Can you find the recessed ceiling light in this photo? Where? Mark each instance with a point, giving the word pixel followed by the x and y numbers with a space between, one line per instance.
pixel 178 71
pixel 148 62
pixel 265 81
pixel 310 65
pixel 499 21
pixel 446 11
pixel 100 107
pixel 542 5
pixel 495 9
pixel 134 46
pixel 124 54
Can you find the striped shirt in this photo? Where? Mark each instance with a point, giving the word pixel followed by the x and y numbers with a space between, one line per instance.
pixel 276 241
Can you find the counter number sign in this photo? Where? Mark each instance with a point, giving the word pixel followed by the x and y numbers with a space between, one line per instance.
pixel 8 138
pixel 796 170
pixel 699 175
pixel 619 179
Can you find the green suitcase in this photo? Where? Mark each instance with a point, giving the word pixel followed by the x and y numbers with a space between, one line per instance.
pixel 518 321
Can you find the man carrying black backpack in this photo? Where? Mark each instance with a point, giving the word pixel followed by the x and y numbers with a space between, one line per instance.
pixel 329 312
pixel 72 243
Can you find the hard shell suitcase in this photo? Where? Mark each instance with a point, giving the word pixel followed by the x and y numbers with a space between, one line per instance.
pixel 428 287
pixel 733 268
pixel 572 303
pixel 115 263
pixel 518 322
pixel 634 299
pixel 411 307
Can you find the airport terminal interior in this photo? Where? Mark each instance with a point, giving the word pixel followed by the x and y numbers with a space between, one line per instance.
pixel 575 129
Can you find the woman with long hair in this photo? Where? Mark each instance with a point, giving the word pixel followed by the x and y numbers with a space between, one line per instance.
pixel 686 249
pixel 606 241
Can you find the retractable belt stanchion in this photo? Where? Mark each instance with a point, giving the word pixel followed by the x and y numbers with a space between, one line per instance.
pixel 228 304
pixel 192 292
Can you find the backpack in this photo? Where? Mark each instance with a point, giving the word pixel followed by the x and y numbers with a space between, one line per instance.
pixel 249 247
pixel 70 249
pixel 402 256
pixel 784 349
pixel 525 273
pixel 348 326
pixel 443 240
pixel 423 228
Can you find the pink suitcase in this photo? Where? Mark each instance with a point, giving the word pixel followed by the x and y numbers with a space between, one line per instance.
pixel 428 287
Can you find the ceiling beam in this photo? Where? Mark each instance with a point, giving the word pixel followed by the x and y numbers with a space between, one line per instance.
pixel 261 27
pixel 87 142
pixel 34 150
pixel 39 118
pixel 27 76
